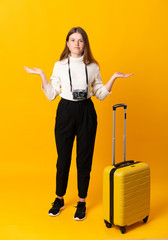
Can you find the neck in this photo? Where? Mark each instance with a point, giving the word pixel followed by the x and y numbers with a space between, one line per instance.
pixel 75 55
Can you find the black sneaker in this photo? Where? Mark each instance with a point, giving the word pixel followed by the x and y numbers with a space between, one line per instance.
pixel 57 205
pixel 80 213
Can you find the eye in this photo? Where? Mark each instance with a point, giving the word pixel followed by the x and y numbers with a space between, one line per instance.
pixel 80 40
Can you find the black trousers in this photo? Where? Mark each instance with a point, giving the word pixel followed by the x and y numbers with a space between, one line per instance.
pixel 75 119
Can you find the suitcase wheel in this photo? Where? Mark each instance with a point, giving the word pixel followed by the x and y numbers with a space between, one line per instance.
pixel 108 225
pixel 123 230
pixel 145 219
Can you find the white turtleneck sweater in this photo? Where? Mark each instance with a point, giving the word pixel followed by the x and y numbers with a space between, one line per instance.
pixel 60 82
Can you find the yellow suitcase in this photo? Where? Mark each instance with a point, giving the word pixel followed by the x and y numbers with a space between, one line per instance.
pixel 126 188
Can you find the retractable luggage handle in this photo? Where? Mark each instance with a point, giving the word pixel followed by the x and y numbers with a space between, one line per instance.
pixel 124 138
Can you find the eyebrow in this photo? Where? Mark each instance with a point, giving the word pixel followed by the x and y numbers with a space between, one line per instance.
pixel 76 38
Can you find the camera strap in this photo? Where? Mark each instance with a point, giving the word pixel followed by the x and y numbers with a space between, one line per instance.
pixel 69 71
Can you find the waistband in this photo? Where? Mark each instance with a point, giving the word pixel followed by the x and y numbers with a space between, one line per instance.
pixel 78 101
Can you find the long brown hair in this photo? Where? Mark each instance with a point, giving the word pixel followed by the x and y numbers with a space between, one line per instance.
pixel 88 57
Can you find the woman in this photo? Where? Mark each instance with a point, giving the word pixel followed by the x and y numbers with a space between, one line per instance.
pixel 75 78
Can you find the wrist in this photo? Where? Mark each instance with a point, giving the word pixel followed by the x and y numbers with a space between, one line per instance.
pixel 42 74
pixel 113 78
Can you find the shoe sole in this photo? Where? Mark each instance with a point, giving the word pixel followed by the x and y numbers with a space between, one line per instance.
pixel 78 219
pixel 54 215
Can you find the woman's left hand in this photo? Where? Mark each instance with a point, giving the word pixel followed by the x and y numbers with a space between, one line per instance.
pixel 116 75
pixel 121 75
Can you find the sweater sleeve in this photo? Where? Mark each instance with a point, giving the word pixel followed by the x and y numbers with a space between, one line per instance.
pixel 53 88
pixel 98 88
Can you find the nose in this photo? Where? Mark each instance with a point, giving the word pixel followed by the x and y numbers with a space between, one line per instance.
pixel 77 43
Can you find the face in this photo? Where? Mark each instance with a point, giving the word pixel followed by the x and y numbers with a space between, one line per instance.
pixel 76 44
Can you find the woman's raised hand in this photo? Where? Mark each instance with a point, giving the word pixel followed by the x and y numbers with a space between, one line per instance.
pixel 38 72
pixel 116 75
pixel 121 75
pixel 34 70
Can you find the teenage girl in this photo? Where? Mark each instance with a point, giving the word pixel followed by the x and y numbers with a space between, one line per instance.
pixel 75 78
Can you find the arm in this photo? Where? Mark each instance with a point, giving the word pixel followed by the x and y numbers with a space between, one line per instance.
pixel 52 88
pixel 38 72
pixel 110 83
pixel 98 88
pixel 44 80
pixel 116 75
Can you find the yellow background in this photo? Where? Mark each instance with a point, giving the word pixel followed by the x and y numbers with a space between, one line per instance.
pixel 125 36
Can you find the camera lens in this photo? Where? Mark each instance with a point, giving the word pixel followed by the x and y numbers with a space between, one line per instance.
pixel 81 94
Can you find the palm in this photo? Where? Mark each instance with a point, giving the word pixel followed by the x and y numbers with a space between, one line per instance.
pixel 122 75
pixel 34 70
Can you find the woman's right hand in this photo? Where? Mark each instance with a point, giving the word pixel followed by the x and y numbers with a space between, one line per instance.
pixel 38 72
pixel 34 70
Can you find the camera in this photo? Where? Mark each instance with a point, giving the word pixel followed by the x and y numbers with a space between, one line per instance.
pixel 79 94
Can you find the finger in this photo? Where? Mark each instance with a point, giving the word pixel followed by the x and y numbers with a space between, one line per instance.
pixel 128 75
pixel 131 74
pixel 26 68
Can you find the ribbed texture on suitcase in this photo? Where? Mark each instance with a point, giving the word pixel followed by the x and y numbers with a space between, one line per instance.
pixel 131 194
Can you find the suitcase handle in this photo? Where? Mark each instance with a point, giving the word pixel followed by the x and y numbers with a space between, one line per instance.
pixel 119 105
pixel 124 163
pixel 124 139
